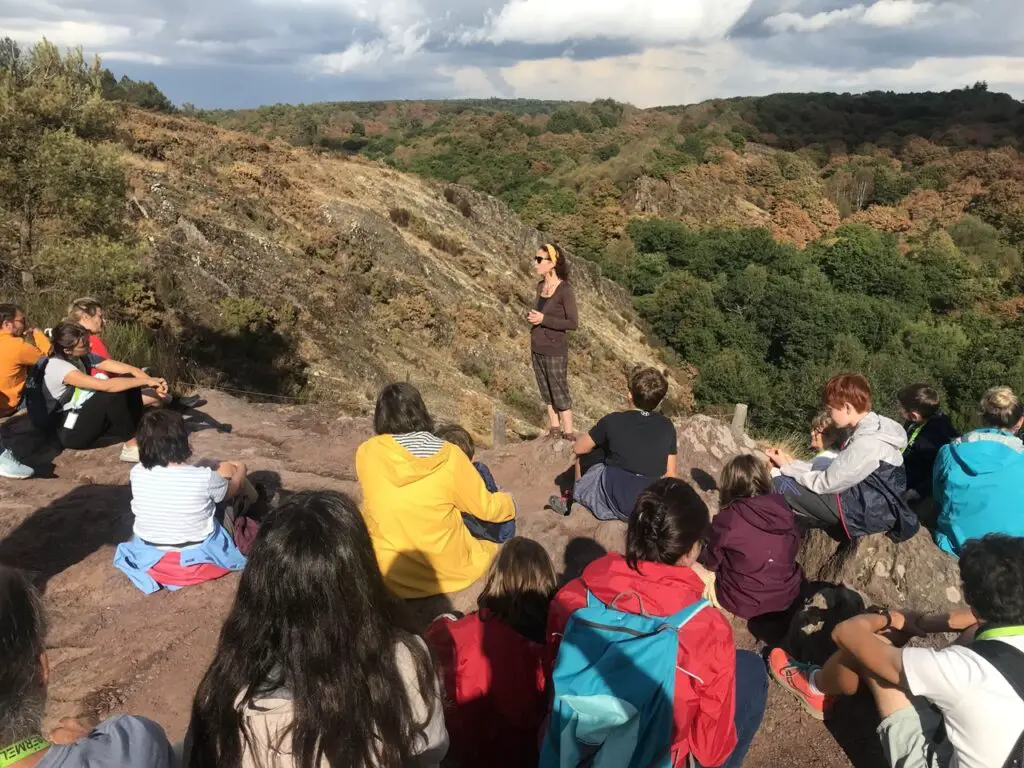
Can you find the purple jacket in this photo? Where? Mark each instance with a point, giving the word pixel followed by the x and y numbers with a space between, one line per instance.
pixel 753 547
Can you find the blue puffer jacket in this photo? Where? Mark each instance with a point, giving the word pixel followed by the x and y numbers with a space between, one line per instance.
pixel 977 484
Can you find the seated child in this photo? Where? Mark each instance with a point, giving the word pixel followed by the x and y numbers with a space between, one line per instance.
pixel 719 693
pixel 184 514
pixel 636 448
pixel 753 543
pixel 928 429
pixel 492 661
pixel 459 437
pixel 861 490
pixel 959 706
pixel 826 440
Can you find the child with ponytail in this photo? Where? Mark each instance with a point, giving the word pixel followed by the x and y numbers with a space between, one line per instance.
pixel 719 692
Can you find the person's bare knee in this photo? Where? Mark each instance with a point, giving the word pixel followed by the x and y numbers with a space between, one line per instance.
pixel 889 698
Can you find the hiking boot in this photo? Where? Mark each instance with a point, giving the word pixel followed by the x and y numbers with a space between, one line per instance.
pixel 13 469
pixel 795 677
pixel 560 504
pixel 130 454
pixel 554 433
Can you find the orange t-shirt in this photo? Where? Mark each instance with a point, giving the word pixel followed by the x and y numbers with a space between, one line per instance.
pixel 17 356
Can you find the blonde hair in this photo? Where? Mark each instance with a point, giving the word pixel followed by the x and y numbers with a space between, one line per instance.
pixel 86 306
pixel 1001 408
pixel 744 476
pixel 519 586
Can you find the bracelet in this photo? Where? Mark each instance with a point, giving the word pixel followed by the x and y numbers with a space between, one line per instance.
pixel 879 610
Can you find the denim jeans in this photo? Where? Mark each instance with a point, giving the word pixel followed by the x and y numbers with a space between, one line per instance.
pixel 496 532
pixel 751 697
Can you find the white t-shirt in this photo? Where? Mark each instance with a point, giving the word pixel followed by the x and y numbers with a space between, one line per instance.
pixel 176 504
pixel 53 376
pixel 983 714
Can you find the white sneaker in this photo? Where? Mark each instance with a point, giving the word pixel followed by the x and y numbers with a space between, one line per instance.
pixel 13 469
pixel 130 454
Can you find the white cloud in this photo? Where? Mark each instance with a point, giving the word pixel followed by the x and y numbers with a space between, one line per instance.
pixel 133 56
pixel 884 13
pixel 894 13
pixel 655 21
pixel 66 33
pixel 356 56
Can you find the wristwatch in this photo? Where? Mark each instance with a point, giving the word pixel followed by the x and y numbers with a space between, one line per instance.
pixel 881 611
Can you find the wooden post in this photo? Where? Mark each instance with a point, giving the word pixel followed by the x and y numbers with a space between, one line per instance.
pixel 739 421
pixel 498 429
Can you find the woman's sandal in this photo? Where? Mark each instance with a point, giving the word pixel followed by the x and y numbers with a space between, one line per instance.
pixel 554 433
pixel 570 436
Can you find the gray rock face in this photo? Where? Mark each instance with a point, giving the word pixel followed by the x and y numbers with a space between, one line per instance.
pixel 915 574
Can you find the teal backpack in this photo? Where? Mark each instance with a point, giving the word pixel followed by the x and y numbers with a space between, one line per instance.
pixel 614 688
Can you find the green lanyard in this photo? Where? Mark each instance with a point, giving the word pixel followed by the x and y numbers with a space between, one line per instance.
pixel 988 634
pixel 22 749
pixel 914 434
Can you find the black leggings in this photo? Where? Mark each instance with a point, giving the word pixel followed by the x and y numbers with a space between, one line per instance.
pixel 113 415
pixel 814 510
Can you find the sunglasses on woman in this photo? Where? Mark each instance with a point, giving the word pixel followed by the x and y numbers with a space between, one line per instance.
pixel 541 259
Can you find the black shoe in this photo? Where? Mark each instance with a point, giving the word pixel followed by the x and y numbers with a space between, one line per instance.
pixel 560 505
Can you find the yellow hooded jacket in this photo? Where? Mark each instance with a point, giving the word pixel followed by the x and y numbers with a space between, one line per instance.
pixel 413 508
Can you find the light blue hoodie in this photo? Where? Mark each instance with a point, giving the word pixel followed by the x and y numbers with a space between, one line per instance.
pixel 977 484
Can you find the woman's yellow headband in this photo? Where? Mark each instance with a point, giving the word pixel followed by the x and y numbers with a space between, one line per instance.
pixel 552 252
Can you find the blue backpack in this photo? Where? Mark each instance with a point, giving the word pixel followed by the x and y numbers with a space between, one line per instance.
pixel 614 688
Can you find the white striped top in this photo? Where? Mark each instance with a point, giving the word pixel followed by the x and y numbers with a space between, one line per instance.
pixel 176 504
pixel 422 445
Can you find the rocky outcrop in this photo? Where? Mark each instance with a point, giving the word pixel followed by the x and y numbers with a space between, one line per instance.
pixel 914 574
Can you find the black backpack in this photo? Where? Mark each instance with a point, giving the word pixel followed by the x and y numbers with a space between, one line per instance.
pixel 1010 663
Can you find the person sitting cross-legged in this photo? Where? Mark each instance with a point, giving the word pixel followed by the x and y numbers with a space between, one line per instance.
pixel 119 742
pixel 185 515
pixel 416 490
pixel 625 452
pixel 962 706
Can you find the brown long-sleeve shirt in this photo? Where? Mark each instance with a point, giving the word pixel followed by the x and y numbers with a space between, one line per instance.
pixel 560 315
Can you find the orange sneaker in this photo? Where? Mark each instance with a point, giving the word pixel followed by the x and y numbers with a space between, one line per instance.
pixel 796 678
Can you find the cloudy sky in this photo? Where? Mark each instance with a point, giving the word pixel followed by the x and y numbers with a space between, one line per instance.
pixel 233 53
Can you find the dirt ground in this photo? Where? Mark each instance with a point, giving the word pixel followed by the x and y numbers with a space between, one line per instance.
pixel 113 649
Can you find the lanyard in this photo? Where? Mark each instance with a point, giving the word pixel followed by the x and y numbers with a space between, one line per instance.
pixel 914 434
pixel 990 634
pixel 22 749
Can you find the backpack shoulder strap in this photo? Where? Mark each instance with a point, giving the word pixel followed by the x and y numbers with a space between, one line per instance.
pixel 1009 661
pixel 1006 659
pixel 680 619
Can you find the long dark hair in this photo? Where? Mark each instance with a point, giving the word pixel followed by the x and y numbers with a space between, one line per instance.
pixel 312 615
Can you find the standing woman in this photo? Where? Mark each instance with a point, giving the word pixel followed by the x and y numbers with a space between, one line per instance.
pixel 555 314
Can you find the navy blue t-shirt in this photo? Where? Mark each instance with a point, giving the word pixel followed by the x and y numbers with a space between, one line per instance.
pixel 636 441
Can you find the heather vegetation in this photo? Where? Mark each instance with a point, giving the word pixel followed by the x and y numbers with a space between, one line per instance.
pixel 768 241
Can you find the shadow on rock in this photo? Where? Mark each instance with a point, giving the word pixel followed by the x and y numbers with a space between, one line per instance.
pixel 68 530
